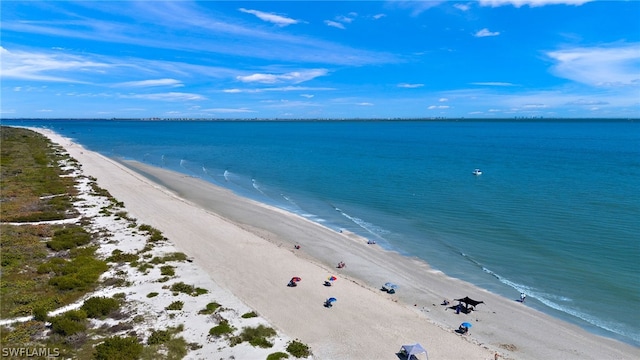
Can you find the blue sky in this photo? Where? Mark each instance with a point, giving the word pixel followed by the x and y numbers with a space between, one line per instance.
pixel 320 59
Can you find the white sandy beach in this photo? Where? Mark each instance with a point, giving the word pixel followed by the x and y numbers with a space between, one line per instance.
pixel 248 249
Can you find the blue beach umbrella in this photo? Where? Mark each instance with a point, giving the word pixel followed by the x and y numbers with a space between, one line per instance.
pixel 390 285
pixel 466 324
pixel 332 299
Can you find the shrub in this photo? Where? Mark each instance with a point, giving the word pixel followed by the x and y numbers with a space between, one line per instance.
pixel 167 270
pixel 257 336
pixel 69 323
pixel 98 307
pixel 298 349
pixel 187 289
pixel 159 337
pixel 277 356
pixel 118 256
pixel 221 329
pixel 127 348
pixel 176 305
pixel 68 238
pixel 249 315
pixel 210 309
pixel 40 314
pixel 152 294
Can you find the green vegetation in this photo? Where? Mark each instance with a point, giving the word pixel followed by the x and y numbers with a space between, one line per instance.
pixel 69 323
pixel 223 328
pixel 152 294
pixel 210 309
pixel 159 337
pixel 249 315
pixel 176 305
pixel 80 273
pixel 100 307
pixel 176 256
pixel 167 270
pixel 155 235
pixel 68 238
pixel 298 349
pixel 119 348
pixel 181 287
pixel 118 256
pixel 256 336
pixel 277 356
pixel 32 188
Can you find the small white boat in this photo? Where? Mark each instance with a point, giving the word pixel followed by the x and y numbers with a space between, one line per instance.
pixel 477 172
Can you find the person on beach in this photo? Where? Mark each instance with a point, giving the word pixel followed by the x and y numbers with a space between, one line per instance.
pixel 522 297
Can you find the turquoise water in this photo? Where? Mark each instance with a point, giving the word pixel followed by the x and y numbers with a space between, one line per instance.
pixel 555 213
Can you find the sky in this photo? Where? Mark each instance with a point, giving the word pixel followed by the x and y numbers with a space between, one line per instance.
pixel 320 59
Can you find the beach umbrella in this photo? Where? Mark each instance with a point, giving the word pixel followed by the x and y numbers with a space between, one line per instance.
pixel 390 285
pixel 466 324
pixel 296 279
pixel 332 299
pixel 332 278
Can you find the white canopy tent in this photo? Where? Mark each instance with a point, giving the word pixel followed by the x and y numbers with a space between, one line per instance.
pixel 412 350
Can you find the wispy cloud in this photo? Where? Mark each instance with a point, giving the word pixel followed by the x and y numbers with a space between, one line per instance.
pixel 364 104
pixel 228 110
pixel 151 83
pixel 416 7
pixel 46 66
pixel 616 65
pixel 410 86
pixel 271 17
pixel 334 24
pixel 485 32
pixel 294 77
pixel 283 88
pixel 440 107
pixel 182 21
pixel 170 96
pixel 531 3
pixel 492 83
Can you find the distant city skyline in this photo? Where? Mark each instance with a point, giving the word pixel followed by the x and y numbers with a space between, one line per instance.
pixel 316 59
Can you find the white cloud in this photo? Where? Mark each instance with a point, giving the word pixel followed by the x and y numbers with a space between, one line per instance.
pixel 308 96
pixel 45 66
pixel 410 86
pixel 462 7
pixel 283 88
pixel 334 24
pixel 379 16
pixel 492 83
pixel 364 104
pixel 531 3
pixel 294 77
pixel 228 110
pixel 617 65
pixel 271 17
pixel 151 83
pixel 435 107
pixel 170 96
pixel 443 100
pixel 485 32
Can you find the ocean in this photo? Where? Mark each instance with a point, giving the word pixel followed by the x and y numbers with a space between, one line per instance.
pixel 555 214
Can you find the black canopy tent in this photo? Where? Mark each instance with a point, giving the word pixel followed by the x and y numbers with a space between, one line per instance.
pixel 468 301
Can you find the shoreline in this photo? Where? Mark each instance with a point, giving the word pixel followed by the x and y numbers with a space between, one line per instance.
pixel 411 315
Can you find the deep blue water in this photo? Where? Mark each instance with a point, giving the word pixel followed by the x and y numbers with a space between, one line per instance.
pixel 555 213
